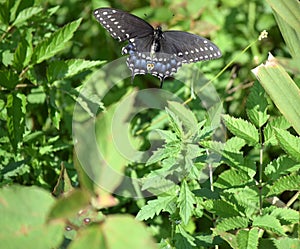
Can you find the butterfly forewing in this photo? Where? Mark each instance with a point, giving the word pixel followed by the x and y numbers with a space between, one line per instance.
pixel 122 25
pixel 189 47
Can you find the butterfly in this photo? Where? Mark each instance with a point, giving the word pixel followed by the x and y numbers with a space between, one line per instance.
pixel 152 50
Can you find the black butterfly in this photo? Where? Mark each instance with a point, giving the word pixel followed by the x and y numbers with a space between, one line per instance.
pixel 152 50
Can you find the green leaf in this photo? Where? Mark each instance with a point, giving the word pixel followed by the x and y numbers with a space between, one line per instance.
pixel 287 16
pixel 268 223
pixel 55 43
pixel 23 52
pixel 183 240
pixel 230 178
pixel 16 110
pixel 116 227
pixel 91 236
pixel 245 199
pixel 290 243
pixel 113 233
pixel 286 215
pixel 285 183
pixel 186 201
pixel 65 69
pixel 232 223
pixel 159 155
pixel 157 182
pixel 289 11
pixel 37 95
pixel 242 128
pixel 186 116
pixel 26 14
pixel 234 144
pixel 248 239
pixel 289 143
pixel 167 135
pixel 69 206
pixel 269 134
pixel 257 106
pixel 283 165
pixel 23 219
pixel 282 90
pixel 8 79
pixel 224 209
pixel 4 12
pixel 154 207
pixel 175 123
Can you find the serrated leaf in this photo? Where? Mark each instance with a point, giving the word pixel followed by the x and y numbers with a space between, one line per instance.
pixel 224 209
pixel 233 159
pixel 248 239
pixel 242 128
pixel 281 166
pixel 245 199
pixel 175 123
pixel 230 178
pixel 257 106
pixel 291 243
pixel 269 223
pixel 26 14
pixel 65 69
pixel 230 238
pixel 186 201
pixel 186 116
pixel 232 223
pixel 234 144
pixel 157 183
pixel 55 43
pixel 167 135
pixel 16 110
pixel 159 155
pixel 286 183
pixel 154 207
pixel 269 134
pixel 286 215
pixel 289 143
pixel 183 239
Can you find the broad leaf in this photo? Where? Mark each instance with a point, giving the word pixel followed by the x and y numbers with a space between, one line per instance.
pixel 55 43
pixel 286 183
pixel 232 223
pixel 269 223
pixel 257 106
pixel 26 14
pixel 242 128
pixel 289 143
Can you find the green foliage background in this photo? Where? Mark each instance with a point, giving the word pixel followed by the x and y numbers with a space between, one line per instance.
pixel 49 49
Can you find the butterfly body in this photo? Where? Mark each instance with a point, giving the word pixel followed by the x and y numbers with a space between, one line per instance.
pixel 152 50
